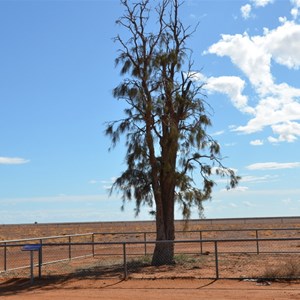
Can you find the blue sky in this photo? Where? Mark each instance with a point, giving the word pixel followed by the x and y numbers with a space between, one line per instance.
pixel 56 79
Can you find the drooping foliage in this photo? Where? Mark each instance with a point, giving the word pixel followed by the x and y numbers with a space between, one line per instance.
pixel 170 157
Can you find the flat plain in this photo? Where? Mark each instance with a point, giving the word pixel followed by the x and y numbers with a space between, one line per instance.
pixel 140 286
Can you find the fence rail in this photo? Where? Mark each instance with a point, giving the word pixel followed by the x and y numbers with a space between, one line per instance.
pixel 196 254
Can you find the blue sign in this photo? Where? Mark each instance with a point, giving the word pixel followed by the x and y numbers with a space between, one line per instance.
pixel 35 247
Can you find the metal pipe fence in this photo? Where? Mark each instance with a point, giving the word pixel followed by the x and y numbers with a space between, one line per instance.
pixel 5 256
pixel 12 259
pixel 201 234
pixel 225 258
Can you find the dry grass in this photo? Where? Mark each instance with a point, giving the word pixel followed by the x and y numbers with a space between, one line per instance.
pixel 288 270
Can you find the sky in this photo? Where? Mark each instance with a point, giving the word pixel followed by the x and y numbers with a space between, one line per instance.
pixel 57 74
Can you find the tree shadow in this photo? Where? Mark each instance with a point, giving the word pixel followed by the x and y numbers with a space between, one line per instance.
pixel 116 272
pixel 14 286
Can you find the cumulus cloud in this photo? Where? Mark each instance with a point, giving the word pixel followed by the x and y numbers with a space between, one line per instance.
pixel 247 55
pixel 232 86
pixel 12 160
pixel 282 19
pixel 246 10
pixel 278 103
pixel 283 44
pixel 279 109
pixel 273 166
pixel 261 3
pixel 286 132
pixel 295 9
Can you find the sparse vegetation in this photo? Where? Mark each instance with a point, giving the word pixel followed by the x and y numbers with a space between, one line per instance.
pixel 183 259
pixel 288 270
pixel 141 261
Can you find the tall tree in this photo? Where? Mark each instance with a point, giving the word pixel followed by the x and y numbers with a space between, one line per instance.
pixel 165 120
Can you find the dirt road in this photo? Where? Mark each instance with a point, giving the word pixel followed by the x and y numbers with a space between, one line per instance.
pixel 147 289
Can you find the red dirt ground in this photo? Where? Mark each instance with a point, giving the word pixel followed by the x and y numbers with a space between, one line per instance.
pixel 63 288
pixel 148 289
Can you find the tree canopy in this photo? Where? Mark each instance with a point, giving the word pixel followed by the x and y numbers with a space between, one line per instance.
pixel 166 119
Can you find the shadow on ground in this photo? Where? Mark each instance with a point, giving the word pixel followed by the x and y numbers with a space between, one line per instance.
pixel 142 270
pixel 15 286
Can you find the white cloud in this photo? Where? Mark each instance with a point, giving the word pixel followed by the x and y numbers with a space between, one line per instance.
pixel 273 166
pixel 278 104
pixel 282 19
pixel 233 87
pixel 246 10
pixel 286 132
pixel 246 54
pixel 295 12
pixel 259 179
pixel 283 44
pixel 279 109
pixel 257 143
pixel 295 9
pixel 12 160
pixel 261 3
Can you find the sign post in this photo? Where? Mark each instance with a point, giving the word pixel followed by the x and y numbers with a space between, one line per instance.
pixel 32 249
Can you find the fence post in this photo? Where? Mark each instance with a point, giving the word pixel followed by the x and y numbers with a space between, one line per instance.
pixel 145 242
pixel 40 259
pixel 201 247
pixel 4 257
pixel 31 267
pixel 93 245
pixel 125 262
pixel 70 253
pixel 217 261
pixel 257 244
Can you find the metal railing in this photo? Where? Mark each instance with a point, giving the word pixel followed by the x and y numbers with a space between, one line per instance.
pixel 202 234
pixel 8 250
pixel 219 256
pixel 65 248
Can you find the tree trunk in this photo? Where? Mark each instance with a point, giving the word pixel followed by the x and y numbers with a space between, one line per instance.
pixel 165 234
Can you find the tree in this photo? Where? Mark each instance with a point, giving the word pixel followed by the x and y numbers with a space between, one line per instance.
pixel 165 120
